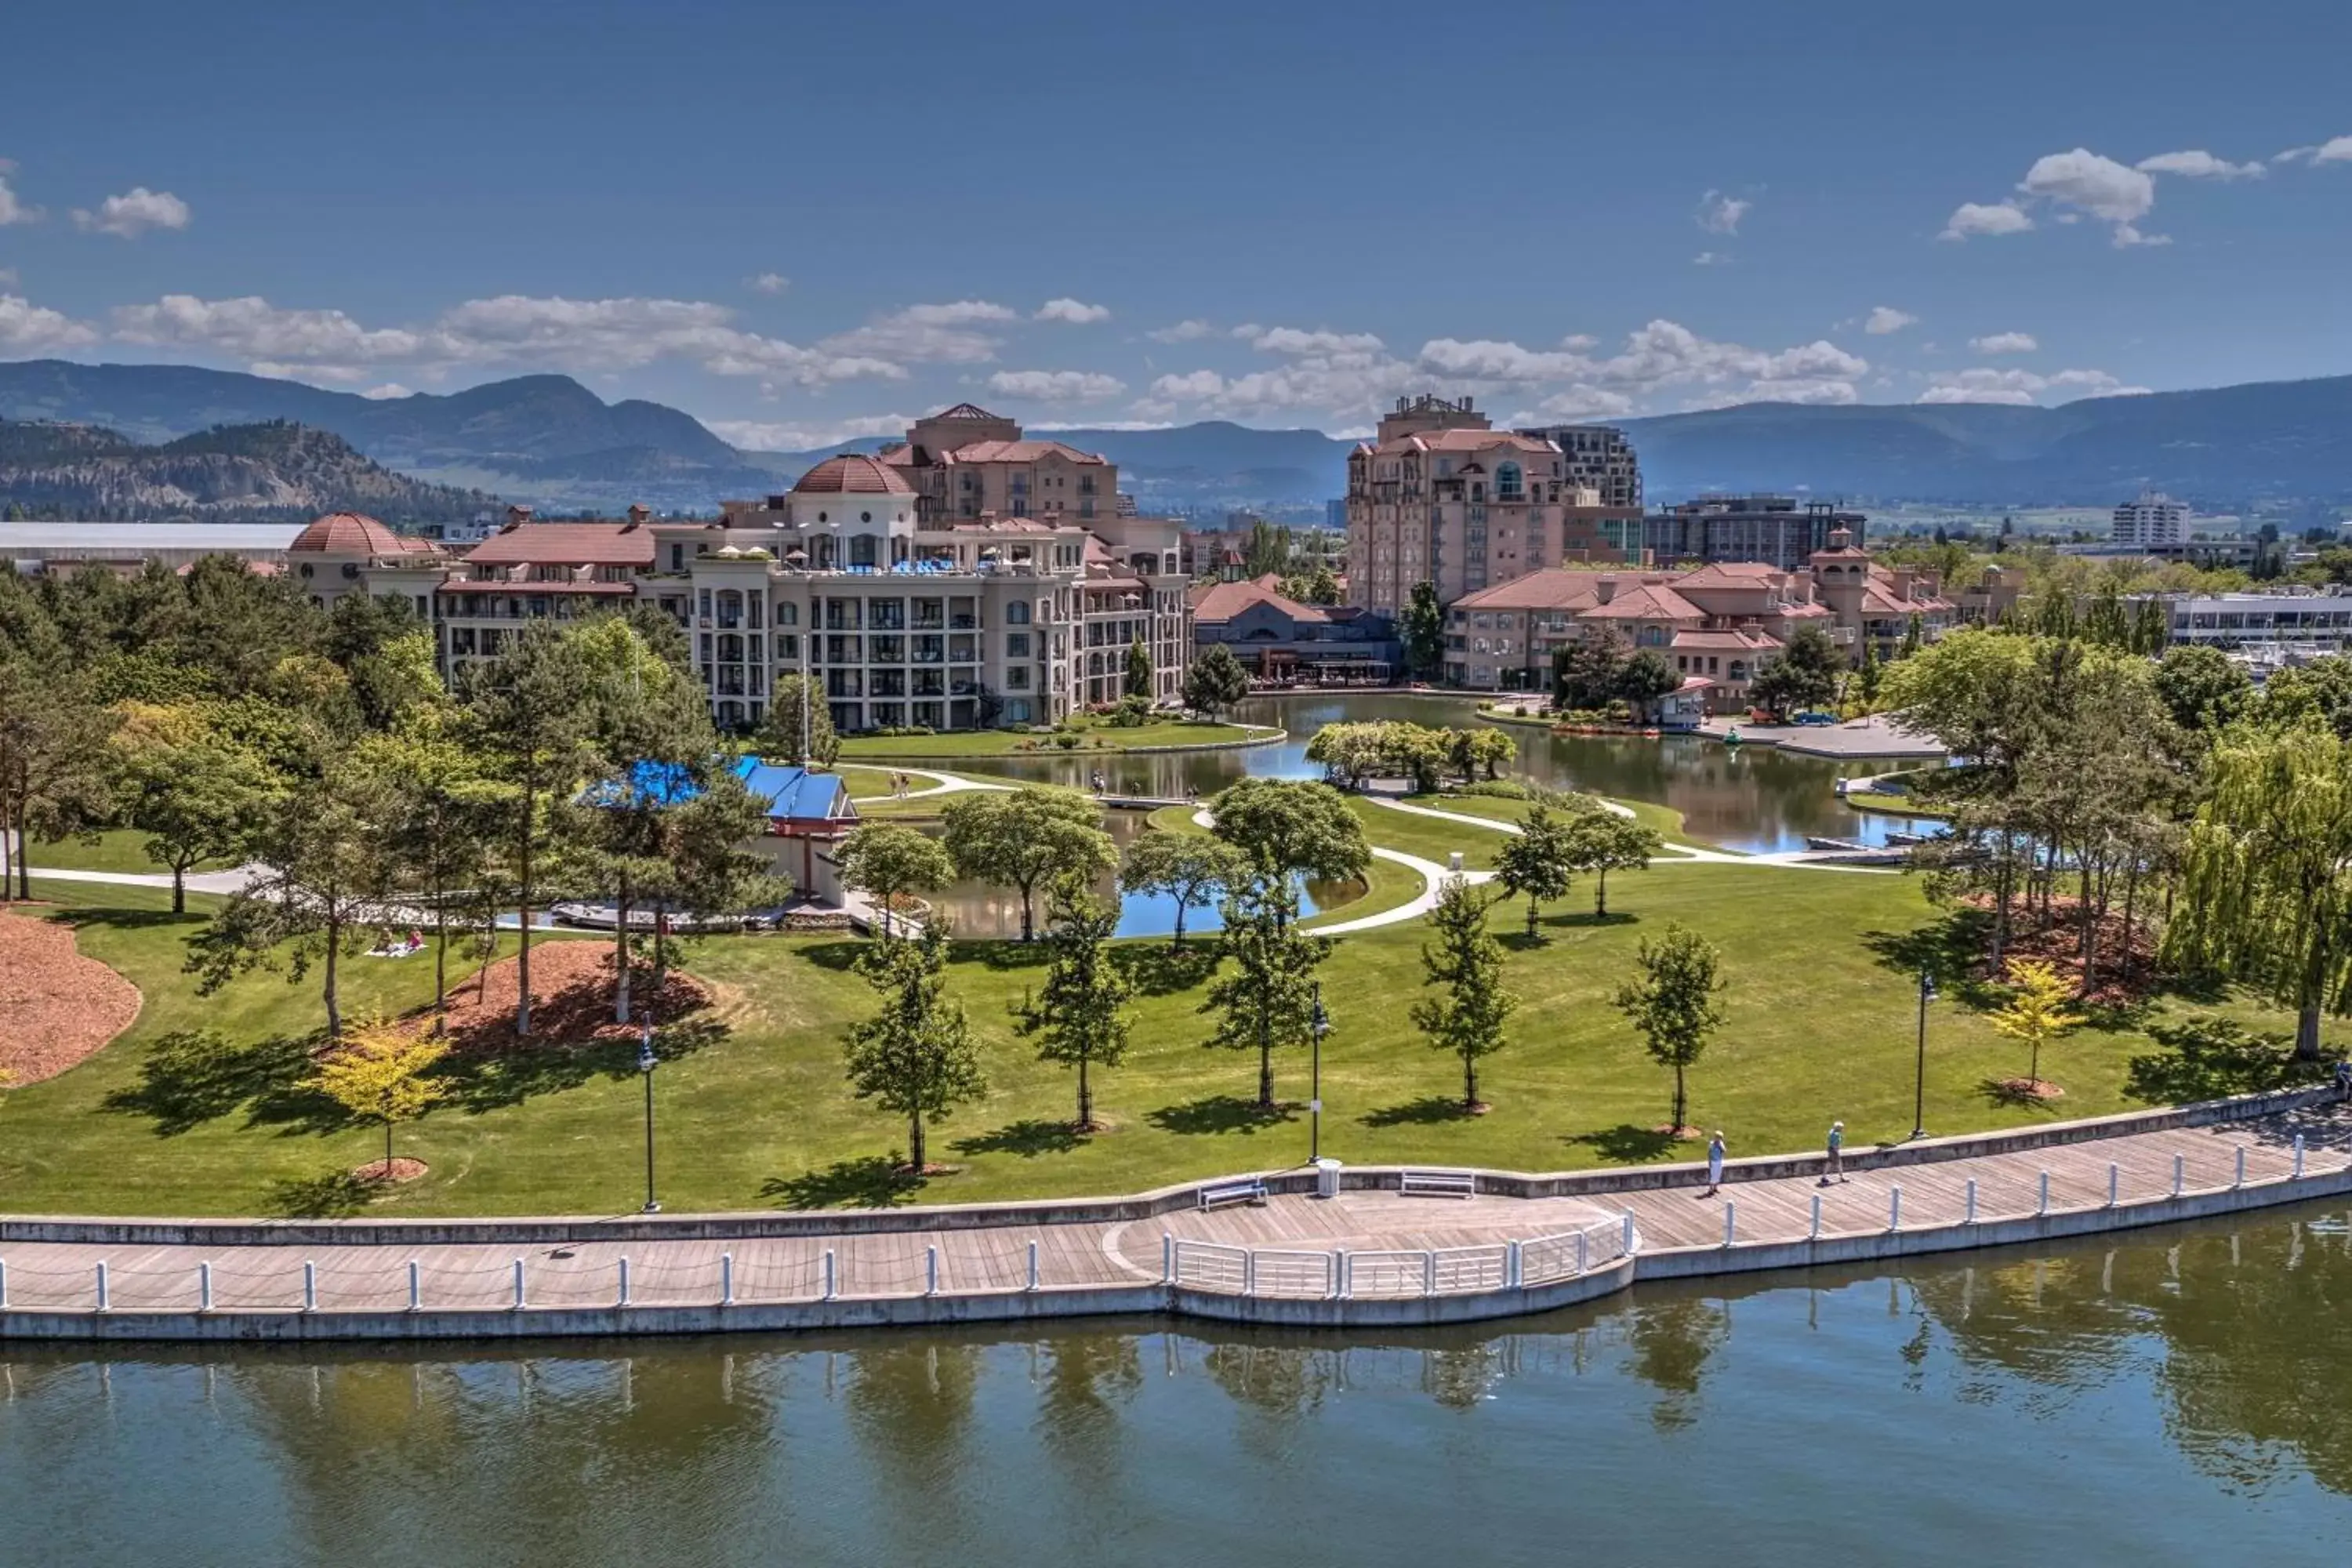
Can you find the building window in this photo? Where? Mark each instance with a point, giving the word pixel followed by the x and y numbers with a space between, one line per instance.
pixel 1016 614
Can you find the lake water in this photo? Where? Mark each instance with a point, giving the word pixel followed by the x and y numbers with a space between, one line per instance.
pixel 2178 1397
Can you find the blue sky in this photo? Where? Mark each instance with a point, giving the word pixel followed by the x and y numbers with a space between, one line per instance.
pixel 806 221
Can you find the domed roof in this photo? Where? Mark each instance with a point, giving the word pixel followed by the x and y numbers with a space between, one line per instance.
pixel 353 534
pixel 852 473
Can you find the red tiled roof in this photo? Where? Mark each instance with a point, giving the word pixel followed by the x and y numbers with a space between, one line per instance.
pixel 566 544
pixel 1554 588
pixel 1647 602
pixel 1465 441
pixel 355 533
pixel 852 473
pixel 1019 452
pixel 1223 601
pixel 1733 641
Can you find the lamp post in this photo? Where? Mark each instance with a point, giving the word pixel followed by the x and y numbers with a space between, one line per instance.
pixel 1919 1081
pixel 1322 1027
pixel 646 1062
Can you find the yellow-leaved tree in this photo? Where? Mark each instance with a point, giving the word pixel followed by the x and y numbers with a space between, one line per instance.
pixel 2037 1011
pixel 381 1071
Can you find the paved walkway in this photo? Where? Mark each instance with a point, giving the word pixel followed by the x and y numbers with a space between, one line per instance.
pixel 1878 736
pixel 1397 1245
pixel 941 783
pixel 1692 853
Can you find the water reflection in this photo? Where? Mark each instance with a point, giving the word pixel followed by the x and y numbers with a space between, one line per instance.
pixel 2174 1398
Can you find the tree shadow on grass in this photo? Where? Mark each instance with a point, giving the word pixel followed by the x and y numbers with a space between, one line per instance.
pixel 1590 922
pixel 83 917
pixel 1027 1139
pixel 331 1194
pixel 2208 1057
pixel 1156 969
pixel 1219 1113
pixel 840 957
pixel 191 1076
pixel 2011 1094
pixel 1429 1110
pixel 1949 949
pixel 872 1182
pixel 574 1041
pixel 1626 1144
pixel 1008 952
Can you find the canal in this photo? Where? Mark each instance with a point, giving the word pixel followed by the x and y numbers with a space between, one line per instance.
pixel 2172 1397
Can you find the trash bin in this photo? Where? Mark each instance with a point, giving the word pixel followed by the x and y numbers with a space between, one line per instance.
pixel 1327 1178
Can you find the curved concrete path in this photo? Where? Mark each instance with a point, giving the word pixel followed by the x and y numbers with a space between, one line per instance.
pixel 941 783
pixel 1793 860
pixel 1432 884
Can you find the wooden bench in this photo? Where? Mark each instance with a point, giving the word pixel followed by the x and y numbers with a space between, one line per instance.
pixel 1437 1185
pixel 1242 1190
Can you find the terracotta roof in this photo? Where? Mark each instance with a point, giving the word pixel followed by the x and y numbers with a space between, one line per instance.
pixel 1878 600
pixel 1736 641
pixel 1647 602
pixel 1223 601
pixel 1730 574
pixel 1465 441
pixel 852 473
pixel 566 544
pixel 1019 452
pixel 1550 589
pixel 355 533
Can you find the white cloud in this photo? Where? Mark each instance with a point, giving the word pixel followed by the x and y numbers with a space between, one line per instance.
pixel 1291 341
pixel 1582 402
pixel 27 327
pixel 768 283
pixel 1719 214
pixel 1886 319
pixel 1194 386
pixel 1710 259
pixel 1076 312
pixel 12 210
pixel 756 437
pixel 2199 164
pixel 1102 425
pixel 389 389
pixel 133 212
pixel 2099 186
pixel 2005 343
pixel 936 334
pixel 1183 331
pixel 1056 385
pixel 251 328
pixel 1580 341
pixel 1984 384
pixel 2334 149
pixel 1485 358
pixel 1971 218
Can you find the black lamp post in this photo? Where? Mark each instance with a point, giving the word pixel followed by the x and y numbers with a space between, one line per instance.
pixel 1919 1082
pixel 646 1062
pixel 1322 1027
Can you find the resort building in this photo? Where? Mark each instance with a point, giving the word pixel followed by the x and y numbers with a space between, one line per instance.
pixel 1440 496
pixel 1776 529
pixel 1600 459
pixel 1282 642
pixel 2266 630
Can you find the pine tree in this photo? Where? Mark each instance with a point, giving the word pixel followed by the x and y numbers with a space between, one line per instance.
pixel 1139 677
pixel 1422 630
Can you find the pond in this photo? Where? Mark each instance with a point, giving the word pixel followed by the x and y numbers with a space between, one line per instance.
pixel 2175 1397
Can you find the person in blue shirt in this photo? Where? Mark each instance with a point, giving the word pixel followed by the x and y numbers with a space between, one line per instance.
pixel 1714 1164
pixel 1836 1169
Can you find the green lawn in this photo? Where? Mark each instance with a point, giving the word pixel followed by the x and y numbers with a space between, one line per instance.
pixel 117 850
pixel 1665 819
pixel 755 1111
pixel 1013 743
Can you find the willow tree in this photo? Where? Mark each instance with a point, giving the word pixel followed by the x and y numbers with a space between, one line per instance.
pixel 2267 879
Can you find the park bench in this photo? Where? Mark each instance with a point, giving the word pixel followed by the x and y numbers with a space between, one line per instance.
pixel 1241 1190
pixel 1437 1185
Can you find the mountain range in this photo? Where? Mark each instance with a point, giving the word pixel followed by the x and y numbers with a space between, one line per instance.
pixel 549 440
pixel 274 472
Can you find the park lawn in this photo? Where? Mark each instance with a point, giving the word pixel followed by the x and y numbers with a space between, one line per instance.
pixel 1426 836
pixel 758 1114
pixel 1017 742
pixel 116 850
pixel 1667 821
pixel 1386 885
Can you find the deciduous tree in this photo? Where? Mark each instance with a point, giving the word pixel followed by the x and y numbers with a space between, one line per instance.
pixel 888 859
pixel 1601 841
pixel 915 1058
pixel 1267 1002
pixel 1287 828
pixel 2037 1011
pixel 783 739
pixel 195 802
pixel 1804 675
pixel 1670 1003
pixel 1080 1015
pixel 1194 870
pixel 1538 864
pixel 1024 839
pixel 381 1072
pixel 1466 1016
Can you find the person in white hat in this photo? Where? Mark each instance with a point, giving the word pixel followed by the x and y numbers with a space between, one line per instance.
pixel 1836 1166
pixel 1715 1162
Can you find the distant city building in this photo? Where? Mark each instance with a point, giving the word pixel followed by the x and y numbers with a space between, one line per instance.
pixel 2151 521
pixel 1335 513
pixel 2268 629
pixel 1600 458
pixel 1440 496
pixel 1242 521
pixel 1776 530
pixel 33 548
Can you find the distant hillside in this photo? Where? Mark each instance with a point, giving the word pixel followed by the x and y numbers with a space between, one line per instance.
pixel 549 440
pixel 239 473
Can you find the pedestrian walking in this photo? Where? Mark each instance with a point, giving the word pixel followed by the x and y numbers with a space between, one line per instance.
pixel 2344 1078
pixel 1835 1168
pixel 1715 1162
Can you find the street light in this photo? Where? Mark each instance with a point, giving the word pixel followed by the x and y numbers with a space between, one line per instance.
pixel 1919 1083
pixel 1322 1023
pixel 646 1062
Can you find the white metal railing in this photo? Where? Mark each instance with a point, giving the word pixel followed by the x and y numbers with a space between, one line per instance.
pixel 1392 1273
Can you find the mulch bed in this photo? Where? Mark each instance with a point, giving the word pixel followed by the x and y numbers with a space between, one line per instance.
pixel 56 1007
pixel 404 1169
pixel 571 1000
pixel 2060 944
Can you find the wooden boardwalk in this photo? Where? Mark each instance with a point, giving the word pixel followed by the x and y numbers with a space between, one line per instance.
pixel 1413 1244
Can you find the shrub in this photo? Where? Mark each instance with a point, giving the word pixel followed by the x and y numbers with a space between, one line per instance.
pixel 1502 789
pixel 1067 741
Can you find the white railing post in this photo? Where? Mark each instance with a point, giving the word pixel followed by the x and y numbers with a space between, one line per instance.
pixel 517 1285
pixel 4 1284
pixel 1249 1272
pixel 1339 1273
pixel 1629 1230
pixel 2240 1180
pixel 1972 1216
pixel 309 1286
pixel 624 1283
pixel 1513 1263
pixel 415 1286
pixel 1583 1251
pixel 2043 1206
pixel 930 1272
pixel 1167 1258
pixel 1894 1207
pixel 2115 1182
pixel 1429 1273
pixel 1815 1233
pixel 2179 1174
pixel 204 1287
pixel 2298 1156
pixel 1730 1221
pixel 726 1278
pixel 103 1303
pixel 831 1279
pixel 1032 1266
